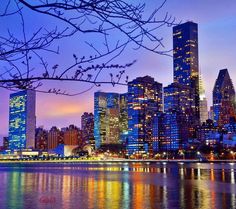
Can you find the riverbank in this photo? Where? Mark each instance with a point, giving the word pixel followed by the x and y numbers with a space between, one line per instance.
pixel 116 161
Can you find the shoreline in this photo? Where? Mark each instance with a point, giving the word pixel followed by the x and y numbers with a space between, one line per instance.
pixel 112 161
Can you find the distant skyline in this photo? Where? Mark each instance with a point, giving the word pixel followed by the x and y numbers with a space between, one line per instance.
pixel 216 30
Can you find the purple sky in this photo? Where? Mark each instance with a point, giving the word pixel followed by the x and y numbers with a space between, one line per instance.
pixel 217 50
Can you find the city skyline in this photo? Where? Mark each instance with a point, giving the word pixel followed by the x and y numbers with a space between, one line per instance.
pixel 62 111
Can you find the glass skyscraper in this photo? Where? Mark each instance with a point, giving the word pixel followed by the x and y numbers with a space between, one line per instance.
pixel 223 98
pixel 107 118
pixel 185 56
pixel 22 120
pixel 144 104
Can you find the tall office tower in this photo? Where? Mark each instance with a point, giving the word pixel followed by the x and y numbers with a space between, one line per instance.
pixel 223 98
pixel 41 139
pixel 106 119
pixel 73 136
pixel 87 127
pixel 123 120
pixel 185 57
pixel 144 103
pixel 178 97
pixel 55 137
pixel 203 102
pixel 22 120
pixel 177 101
pixel 173 131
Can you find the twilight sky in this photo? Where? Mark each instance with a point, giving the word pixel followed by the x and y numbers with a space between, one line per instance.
pixel 217 50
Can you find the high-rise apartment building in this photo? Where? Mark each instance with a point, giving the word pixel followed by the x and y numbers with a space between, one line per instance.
pixel 22 120
pixel 55 137
pixel 73 136
pixel 223 98
pixel 144 103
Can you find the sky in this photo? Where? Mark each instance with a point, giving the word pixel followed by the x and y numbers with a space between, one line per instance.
pixel 216 30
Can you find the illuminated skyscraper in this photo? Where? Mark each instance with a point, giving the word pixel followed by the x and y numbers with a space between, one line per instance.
pixel 144 104
pixel 203 102
pixel 185 56
pixel 178 97
pixel 22 120
pixel 223 98
pixel 173 130
pixel 106 118
pixel 176 122
pixel 87 127
pixel 123 121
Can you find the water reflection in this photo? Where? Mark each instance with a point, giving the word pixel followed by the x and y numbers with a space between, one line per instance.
pixel 118 185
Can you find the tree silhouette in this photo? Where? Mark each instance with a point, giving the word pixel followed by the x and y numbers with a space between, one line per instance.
pixel 105 19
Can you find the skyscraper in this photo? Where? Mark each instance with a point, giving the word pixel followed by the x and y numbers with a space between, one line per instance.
pixel 178 97
pixel 203 102
pixel 87 127
pixel 173 130
pixel 22 120
pixel 144 103
pixel 223 98
pixel 123 120
pixel 185 57
pixel 106 118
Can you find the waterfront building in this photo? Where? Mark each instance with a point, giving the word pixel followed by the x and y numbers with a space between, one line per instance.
pixel 22 120
pixel 5 143
pixel 55 137
pixel 87 128
pixel 107 119
pixel 173 131
pixel 178 97
pixel 223 98
pixel 41 139
pixel 144 104
pixel 185 59
pixel 123 118
pixel 208 133
pixel 72 136
pixel 229 136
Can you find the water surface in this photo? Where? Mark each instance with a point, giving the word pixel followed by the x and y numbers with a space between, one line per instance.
pixel 118 185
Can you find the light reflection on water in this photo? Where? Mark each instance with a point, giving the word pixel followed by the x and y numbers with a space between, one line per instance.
pixel 118 185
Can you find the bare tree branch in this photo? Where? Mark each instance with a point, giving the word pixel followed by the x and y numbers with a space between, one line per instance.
pixel 104 18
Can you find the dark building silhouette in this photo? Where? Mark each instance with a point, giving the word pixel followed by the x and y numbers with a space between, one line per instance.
pixel 185 57
pixel 41 139
pixel 5 143
pixel 223 99
pixel 144 103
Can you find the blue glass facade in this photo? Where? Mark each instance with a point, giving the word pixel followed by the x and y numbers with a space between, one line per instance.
pixel 223 98
pixel 22 120
pixel 185 57
pixel 173 131
pixel 144 103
